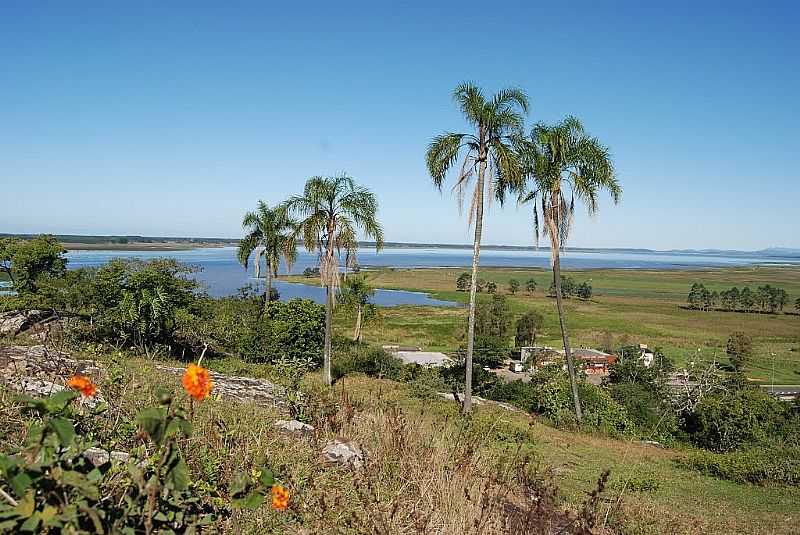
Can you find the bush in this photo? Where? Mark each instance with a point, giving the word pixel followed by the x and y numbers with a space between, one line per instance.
pixel 730 420
pixel 653 414
pixel 296 330
pixel 371 361
pixel 757 465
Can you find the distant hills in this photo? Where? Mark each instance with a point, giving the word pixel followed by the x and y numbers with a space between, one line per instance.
pixel 120 241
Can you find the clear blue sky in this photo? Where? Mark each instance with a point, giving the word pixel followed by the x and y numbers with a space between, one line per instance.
pixel 173 118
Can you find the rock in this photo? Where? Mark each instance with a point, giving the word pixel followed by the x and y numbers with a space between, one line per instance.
pixel 242 389
pixel 343 452
pixel 11 323
pixel 652 443
pixel 294 426
pixel 99 456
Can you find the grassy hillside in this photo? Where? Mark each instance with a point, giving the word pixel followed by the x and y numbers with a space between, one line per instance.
pixel 631 306
pixel 428 467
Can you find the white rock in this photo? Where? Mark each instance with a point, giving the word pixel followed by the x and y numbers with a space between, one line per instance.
pixel 99 456
pixel 343 452
pixel 294 426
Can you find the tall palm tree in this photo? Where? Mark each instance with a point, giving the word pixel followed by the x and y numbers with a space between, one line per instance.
pixel 488 152
pixel 332 210
pixel 356 293
pixel 563 163
pixel 271 234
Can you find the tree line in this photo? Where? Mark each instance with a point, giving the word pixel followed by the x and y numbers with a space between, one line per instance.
pixel 765 299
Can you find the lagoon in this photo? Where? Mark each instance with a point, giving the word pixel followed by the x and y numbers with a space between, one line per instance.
pixel 222 275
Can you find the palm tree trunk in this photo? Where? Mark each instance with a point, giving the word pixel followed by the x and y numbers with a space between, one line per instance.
pixel 357 331
pixel 573 381
pixel 268 291
pixel 328 322
pixel 473 287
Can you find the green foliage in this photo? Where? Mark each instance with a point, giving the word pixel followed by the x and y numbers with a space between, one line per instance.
pixel 462 283
pixel 739 349
pixel 766 299
pixel 493 318
pixel 648 409
pixel 549 395
pixel 735 418
pixel 530 286
pixel 137 302
pixel 760 465
pixel 57 488
pixel 570 288
pixel 527 326
pixel 371 361
pixel 28 263
pixel 296 330
pixel 491 287
pixel 513 286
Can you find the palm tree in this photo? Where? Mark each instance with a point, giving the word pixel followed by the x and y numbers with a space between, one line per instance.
pixel 487 151
pixel 562 163
pixel 356 293
pixel 332 209
pixel 271 234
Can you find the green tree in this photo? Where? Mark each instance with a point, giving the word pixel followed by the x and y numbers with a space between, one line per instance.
pixel 739 349
pixel 513 286
pixel 491 287
pixel 137 302
pixel 332 210
pixel 527 326
pixel 271 234
pixel 695 297
pixel 584 290
pixel 356 294
pixel 28 262
pixel 562 163
pixel 747 299
pixel 493 318
pixel 530 286
pixel 462 283
pixel 488 152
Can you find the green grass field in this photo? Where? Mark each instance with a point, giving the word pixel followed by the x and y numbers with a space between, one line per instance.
pixel 630 306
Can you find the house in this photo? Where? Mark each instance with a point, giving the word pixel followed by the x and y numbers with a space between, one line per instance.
pixel 595 362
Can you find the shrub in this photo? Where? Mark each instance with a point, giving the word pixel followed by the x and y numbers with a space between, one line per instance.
pixel 648 409
pixel 756 465
pixel 462 283
pixel 371 361
pixel 727 421
pixel 739 348
pixel 296 330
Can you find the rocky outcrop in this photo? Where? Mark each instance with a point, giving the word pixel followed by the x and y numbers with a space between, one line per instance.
pixel 242 389
pixel 99 456
pixel 15 322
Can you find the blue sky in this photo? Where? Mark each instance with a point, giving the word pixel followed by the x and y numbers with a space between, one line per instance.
pixel 173 118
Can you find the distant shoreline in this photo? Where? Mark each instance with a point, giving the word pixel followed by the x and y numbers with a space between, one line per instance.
pixel 141 246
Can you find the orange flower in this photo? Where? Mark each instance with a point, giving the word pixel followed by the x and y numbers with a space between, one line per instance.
pixel 197 382
pixel 280 498
pixel 82 384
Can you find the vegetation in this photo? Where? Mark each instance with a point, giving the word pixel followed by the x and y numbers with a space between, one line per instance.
pixel 356 294
pixel 766 299
pixel 527 326
pixel 29 263
pixel 562 162
pixel 271 234
pixel 489 154
pixel 739 349
pixel 332 210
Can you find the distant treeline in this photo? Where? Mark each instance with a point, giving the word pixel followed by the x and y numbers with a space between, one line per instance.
pixel 765 299
pixel 76 238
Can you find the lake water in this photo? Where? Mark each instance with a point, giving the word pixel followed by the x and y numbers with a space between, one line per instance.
pixel 223 275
